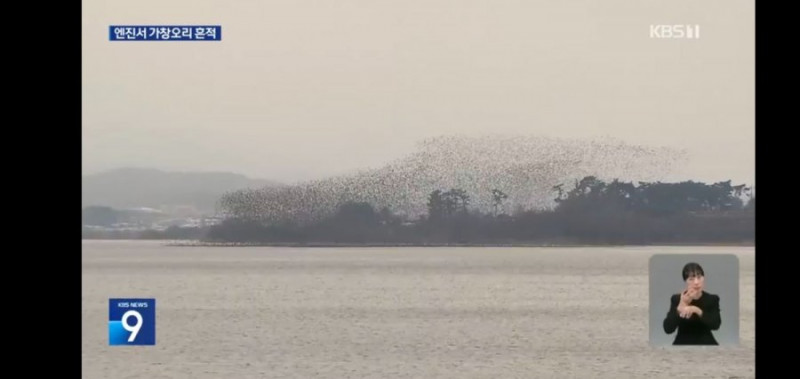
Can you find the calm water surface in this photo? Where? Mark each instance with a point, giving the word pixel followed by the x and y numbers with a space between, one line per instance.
pixel 269 312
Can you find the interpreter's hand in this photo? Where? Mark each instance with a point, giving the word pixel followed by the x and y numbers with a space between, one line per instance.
pixel 686 297
pixel 686 311
pixel 694 310
pixel 683 310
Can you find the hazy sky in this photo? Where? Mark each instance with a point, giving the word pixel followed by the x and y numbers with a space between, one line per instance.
pixel 300 89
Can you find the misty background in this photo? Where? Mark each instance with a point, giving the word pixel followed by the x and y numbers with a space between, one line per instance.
pixel 301 90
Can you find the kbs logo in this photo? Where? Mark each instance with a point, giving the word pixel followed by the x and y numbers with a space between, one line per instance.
pixel 132 321
pixel 675 31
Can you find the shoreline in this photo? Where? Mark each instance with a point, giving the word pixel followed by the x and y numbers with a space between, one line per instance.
pixel 377 244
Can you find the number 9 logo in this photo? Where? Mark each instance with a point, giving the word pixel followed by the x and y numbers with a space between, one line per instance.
pixel 134 329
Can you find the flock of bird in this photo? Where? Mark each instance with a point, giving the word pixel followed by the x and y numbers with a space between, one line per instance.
pixel 525 168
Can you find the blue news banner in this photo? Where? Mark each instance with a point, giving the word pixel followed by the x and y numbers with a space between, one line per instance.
pixel 165 33
pixel 132 321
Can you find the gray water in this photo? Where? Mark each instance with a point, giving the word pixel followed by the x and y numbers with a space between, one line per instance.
pixel 269 312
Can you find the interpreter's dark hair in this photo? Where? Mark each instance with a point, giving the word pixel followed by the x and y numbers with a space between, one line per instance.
pixel 692 268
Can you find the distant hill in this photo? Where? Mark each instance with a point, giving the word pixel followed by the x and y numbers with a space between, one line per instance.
pixel 141 187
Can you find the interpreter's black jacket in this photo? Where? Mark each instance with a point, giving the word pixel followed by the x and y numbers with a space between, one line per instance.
pixel 695 330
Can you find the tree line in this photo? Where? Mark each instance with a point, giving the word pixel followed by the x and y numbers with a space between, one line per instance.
pixel 591 211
